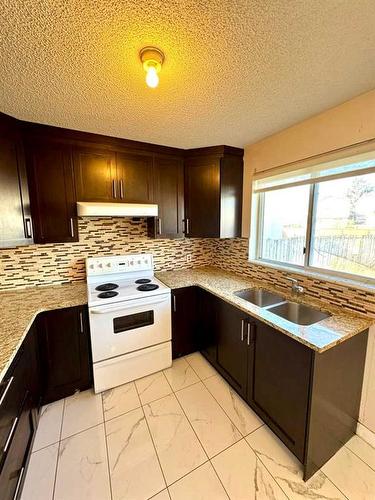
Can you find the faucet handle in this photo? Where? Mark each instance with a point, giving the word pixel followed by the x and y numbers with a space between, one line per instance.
pixel 293 280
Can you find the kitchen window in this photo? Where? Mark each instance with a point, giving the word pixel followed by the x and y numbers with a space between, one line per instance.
pixel 320 218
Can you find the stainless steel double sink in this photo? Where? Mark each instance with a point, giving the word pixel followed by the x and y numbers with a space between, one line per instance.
pixel 297 313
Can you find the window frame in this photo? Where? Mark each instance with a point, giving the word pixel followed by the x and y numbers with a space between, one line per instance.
pixel 306 268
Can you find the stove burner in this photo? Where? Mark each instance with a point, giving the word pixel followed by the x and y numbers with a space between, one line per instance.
pixel 106 287
pixel 143 280
pixel 107 295
pixel 147 288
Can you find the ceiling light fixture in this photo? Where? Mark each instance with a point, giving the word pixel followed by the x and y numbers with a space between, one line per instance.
pixel 152 60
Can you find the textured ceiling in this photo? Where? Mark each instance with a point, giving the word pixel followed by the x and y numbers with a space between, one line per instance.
pixel 235 71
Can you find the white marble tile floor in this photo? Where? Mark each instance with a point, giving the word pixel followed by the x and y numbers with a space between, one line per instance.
pixel 180 434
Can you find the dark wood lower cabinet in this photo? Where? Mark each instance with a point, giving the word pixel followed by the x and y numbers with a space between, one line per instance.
pixel 233 338
pixel 310 400
pixel 20 401
pixel 184 321
pixel 207 326
pixel 53 361
pixel 64 346
pixel 279 385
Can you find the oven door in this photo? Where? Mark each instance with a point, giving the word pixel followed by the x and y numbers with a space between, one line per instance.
pixel 125 327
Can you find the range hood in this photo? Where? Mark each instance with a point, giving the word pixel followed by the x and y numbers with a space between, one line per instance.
pixel 93 209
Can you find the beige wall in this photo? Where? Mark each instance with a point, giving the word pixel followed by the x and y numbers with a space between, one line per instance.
pixel 351 122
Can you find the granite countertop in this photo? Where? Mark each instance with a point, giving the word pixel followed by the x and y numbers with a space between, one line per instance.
pixel 19 308
pixel 320 336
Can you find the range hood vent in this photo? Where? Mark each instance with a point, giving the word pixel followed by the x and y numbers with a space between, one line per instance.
pixel 93 209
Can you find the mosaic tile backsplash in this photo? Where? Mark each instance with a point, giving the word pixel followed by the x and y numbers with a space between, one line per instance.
pixel 61 263
pixel 232 255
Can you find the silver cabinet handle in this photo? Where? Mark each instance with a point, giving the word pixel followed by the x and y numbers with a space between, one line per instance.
pixel 10 381
pixel 159 225
pixel 242 328
pixel 174 303
pixel 121 189
pixel 187 226
pixel 18 483
pixel 10 435
pixel 81 322
pixel 251 332
pixel 114 188
pixel 28 230
pixel 71 227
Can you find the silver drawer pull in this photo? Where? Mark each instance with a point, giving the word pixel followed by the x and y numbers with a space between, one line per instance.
pixel 6 390
pixel 159 225
pixel 18 483
pixel 121 189
pixel 174 303
pixel 242 328
pixel 10 435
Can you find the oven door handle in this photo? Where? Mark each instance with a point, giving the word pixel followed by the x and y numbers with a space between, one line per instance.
pixel 130 305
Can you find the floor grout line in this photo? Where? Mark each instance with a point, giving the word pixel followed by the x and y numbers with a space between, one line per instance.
pixel 359 457
pixel 106 449
pixel 58 451
pixel 152 440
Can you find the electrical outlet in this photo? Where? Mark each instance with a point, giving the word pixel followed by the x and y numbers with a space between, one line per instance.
pixel 188 257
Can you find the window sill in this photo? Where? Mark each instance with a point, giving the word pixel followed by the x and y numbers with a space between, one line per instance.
pixel 365 285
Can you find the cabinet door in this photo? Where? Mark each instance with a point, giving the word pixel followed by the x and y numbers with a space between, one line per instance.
pixel 12 473
pixel 134 178
pixel 15 220
pixel 184 321
pixel 95 175
pixel 279 385
pixel 233 336
pixel 169 195
pixel 64 352
pixel 202 197
pixel 207 309
pixel 52 193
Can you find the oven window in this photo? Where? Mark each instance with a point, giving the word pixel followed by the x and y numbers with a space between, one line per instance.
pixel 133 321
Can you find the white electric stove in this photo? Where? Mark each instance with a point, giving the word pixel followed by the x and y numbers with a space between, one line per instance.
pixel 130 319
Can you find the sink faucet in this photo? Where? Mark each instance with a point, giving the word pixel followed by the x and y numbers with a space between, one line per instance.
pixel 296 288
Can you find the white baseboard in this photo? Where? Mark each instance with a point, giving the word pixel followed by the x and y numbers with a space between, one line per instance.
pixel 366 434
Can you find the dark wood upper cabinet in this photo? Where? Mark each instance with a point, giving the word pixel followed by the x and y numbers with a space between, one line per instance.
pixel 95 175
pixel 52 192
pixel 15 220
pixel 169 195
pixel 134 178
pixel 213 192
pixel 65 358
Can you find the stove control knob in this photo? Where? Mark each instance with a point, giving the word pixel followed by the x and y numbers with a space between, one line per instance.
pixel 109 264
pixel 100 265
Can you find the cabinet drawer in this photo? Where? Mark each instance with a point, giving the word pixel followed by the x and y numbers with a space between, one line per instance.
pixel 15 460
pixel 13 391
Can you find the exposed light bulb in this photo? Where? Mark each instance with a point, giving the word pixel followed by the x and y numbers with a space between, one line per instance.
pixel 152 78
